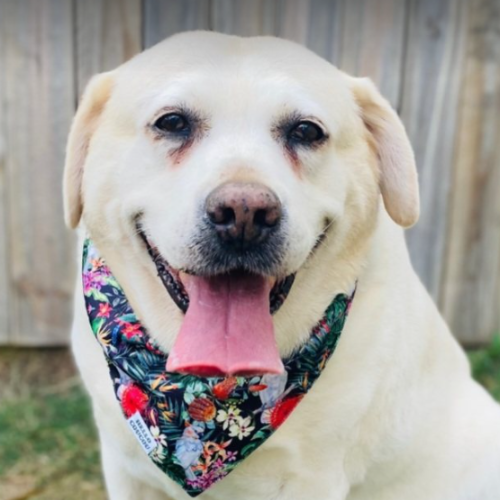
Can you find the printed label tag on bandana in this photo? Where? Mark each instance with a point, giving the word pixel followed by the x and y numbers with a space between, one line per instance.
pixel 141 432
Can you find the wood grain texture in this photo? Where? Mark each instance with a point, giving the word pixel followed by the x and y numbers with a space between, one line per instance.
pixel 373 42
pixel 431 90
pixel 4 267
pixel 438 62
pixel 108 32
pixel 38 103
pixel 362 37
pixel 314 23
pixel 471 291
pixel 163 18
pixel 4 276
pixel 244 18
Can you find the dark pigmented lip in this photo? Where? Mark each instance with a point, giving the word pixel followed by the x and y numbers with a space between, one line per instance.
pixel 173 284
pixel 168 275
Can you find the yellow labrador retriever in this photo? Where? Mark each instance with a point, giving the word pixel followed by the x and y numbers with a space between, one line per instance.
pixel 246 164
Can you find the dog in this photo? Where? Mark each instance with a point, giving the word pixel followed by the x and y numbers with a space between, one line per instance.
pixel 254 157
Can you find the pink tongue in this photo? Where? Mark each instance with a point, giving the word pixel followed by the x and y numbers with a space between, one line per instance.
pixel 227 329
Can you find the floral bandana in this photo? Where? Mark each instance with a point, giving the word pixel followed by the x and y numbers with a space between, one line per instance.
pixel 196 429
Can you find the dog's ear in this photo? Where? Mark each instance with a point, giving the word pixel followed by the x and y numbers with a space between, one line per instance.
pixel 84 124
pixel 398 172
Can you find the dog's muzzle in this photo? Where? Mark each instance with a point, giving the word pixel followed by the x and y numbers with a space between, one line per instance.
pixel 232 285
pixel 241 228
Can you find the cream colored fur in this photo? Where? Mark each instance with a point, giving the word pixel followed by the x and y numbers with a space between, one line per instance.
pixel 395 415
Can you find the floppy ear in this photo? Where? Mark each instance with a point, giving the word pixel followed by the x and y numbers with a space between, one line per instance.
pixel 84 124
pixel 398 172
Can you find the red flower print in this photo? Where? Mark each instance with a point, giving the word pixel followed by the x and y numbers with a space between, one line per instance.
pixel 133 400
pixel 257 387
pixel 223 389
pixel 131 329
pixel 104 310
pixel 282 410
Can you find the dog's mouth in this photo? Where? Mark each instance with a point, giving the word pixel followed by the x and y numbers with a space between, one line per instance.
pixel 173 280
pixel 227 328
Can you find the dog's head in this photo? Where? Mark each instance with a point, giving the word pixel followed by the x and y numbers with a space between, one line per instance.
pixel 226 166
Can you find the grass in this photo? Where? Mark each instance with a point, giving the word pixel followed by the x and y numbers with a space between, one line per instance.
pixel 486 366
pixel 56 427
pixel 48 443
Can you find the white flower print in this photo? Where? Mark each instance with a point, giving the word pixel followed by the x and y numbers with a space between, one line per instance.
pixel 241 427
pixel 227 418
pixel 159 438
pixel 159 454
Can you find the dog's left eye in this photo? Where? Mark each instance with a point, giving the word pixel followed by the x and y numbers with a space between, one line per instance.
pixel 306 132
pixel 173 123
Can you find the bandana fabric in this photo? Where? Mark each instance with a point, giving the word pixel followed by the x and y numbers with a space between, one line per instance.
pixel 196 429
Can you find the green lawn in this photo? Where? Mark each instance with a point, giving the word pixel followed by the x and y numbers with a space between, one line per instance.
pixel 48 446
pixel 486 366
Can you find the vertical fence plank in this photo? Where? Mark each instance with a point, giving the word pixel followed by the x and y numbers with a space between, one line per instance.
pixel 244 18
pixel 4 277
pixel 471 292
pixel 314 23
pixel 38 104
pixel 362 37
pixel 373 43
pixel 163 18
pixel 429 111
pixel 108 33
pixel 450 45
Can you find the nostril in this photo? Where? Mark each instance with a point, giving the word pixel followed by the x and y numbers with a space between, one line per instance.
pixel 228 216
pixel 222 216
pixel 267 217
pixel 260 218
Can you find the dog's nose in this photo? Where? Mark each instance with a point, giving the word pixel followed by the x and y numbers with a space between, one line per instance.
pixel 243 213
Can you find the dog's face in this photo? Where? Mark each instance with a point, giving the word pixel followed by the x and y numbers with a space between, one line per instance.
pixel 230 163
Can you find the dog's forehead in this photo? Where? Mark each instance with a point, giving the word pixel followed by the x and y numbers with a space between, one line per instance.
pixel 217 70
pixel 216 50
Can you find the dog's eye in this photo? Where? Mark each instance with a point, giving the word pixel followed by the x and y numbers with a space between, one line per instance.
pixel 306 132
pixel 173 123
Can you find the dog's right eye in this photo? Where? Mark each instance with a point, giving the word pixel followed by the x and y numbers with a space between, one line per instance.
pixel 306 132
pixel 173 123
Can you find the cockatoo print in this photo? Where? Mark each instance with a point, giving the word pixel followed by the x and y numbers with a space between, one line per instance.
pixel 189 448
pixel 275 387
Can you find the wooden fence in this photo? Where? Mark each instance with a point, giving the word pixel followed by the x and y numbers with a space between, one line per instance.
pixel 438 61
